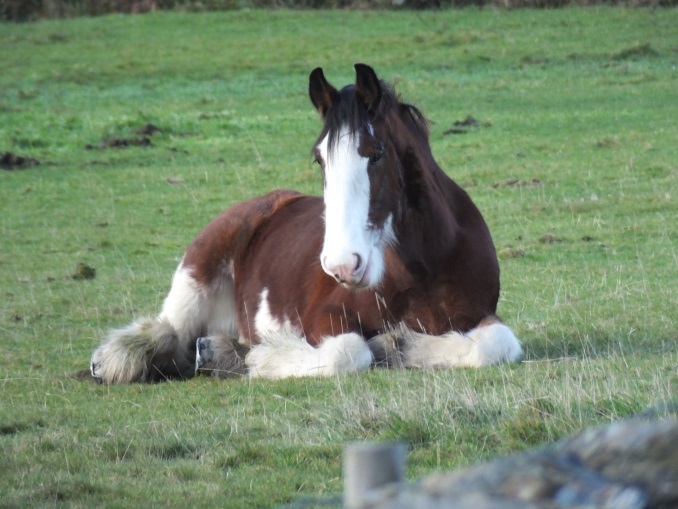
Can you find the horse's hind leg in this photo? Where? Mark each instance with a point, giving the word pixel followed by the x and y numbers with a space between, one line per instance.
pixel 145 351
pixel 152 349
pixel 219 352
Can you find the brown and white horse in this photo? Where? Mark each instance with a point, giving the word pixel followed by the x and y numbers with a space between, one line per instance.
pixel 394 265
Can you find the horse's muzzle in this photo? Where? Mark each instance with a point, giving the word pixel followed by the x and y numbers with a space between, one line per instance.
pixel 351 274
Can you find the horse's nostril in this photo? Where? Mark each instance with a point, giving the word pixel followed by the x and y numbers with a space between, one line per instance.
pixel 358 261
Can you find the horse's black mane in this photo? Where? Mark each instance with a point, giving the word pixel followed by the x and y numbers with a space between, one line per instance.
pixel 350 111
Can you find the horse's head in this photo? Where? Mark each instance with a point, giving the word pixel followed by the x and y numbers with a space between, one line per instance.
pixel 359 149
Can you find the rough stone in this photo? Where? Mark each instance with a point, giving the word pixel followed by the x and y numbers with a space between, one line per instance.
pixel 630 464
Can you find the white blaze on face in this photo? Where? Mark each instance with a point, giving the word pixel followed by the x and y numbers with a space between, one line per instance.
pixel 352 250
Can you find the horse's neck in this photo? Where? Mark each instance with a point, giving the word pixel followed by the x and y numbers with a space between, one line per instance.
pixel 427 226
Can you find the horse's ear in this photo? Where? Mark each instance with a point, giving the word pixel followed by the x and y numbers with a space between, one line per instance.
pixel 322 94
pixel 367 87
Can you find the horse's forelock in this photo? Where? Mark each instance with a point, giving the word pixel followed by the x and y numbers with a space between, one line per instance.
pixel 350 114
pixel 349 117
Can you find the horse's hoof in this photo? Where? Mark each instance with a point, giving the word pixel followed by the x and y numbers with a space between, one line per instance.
pixel 93 369
pixel 203 354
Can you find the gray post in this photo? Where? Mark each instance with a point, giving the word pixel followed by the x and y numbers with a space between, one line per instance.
pixel 370 465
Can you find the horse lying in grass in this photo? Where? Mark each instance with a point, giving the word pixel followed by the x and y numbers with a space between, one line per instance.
pixel 394 265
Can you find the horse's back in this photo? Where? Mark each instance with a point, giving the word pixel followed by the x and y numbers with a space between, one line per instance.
pixel 226 239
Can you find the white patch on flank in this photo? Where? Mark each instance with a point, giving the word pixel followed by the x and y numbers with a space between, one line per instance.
pixel 482 346
pixel 193 309
pixel 286 353
pixel 222 315
pixel 186 306
pixel 347 202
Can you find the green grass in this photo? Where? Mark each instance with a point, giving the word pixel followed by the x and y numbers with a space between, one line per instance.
pixel 573 165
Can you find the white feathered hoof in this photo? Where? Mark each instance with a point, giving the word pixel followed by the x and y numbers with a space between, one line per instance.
pixel 147 350
pixel 220 356
pixel 494 344
pixel 286 353
pixel 204 356
pixel 94 371
pixel 485 345
pixel 123 356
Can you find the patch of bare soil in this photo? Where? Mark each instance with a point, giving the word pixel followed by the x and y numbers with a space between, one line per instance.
pixel 142 138
pixel 10 161
pixel 148 130
pixel 550 239
pixel 464 126
pixel 535 182
pixel 143 141
pixel 83 271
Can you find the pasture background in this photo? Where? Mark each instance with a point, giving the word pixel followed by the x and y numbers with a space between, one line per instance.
pixel 573 164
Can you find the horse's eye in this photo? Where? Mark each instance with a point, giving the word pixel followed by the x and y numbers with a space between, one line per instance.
pixel 375 158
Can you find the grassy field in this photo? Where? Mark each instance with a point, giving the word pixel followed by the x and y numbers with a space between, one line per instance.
pixel 573 162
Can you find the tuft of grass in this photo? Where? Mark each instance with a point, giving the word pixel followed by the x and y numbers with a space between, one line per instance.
pixel 529 425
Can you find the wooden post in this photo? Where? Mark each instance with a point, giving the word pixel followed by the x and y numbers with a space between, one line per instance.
pixel 370 465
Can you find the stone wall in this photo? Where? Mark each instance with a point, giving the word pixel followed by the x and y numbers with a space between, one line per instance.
pixel 626 465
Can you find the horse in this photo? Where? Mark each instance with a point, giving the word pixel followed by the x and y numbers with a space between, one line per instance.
pixel 393 266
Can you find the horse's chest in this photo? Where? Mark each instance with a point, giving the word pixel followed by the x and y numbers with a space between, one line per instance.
pixel 316 311
pixel 438 312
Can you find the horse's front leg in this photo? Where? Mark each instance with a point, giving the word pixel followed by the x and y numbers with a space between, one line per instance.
pixel 287 353
pixel 491 342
